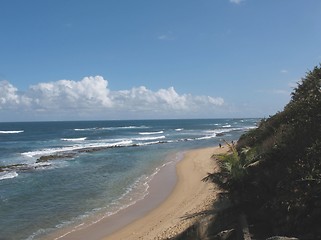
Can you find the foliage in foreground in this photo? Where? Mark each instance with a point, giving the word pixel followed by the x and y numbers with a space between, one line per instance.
pixel 274 173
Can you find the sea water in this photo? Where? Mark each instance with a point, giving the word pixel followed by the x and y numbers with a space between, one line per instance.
pixel 60 174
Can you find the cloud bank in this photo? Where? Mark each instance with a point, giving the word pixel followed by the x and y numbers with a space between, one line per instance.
pixel 91 97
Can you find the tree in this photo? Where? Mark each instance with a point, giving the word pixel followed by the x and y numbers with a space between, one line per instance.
pixel 281 177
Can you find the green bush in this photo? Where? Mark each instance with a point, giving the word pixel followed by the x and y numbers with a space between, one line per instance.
pixel 275 170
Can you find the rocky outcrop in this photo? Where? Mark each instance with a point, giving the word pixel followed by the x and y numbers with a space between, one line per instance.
pixel 47 158
pixel 20 167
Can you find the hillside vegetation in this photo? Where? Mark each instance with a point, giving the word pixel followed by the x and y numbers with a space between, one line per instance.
pixel 274 172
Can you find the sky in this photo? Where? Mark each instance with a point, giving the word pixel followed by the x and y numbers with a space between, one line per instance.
pixel 143 59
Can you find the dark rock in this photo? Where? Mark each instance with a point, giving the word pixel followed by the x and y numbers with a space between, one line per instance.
pixel 14 167
pixel 89 150
pixel 54 157
pixel 20 167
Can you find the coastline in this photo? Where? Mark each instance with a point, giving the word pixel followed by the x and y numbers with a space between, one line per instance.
pixel 165 211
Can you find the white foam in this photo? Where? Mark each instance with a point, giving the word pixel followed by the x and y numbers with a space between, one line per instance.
pixel 151 133
pixel 207 137
pixel 109 128
pixel 149 138
pixel 11 132
pixel 49 151
pixel 74 139
pixel 122 143
pixel 8 175
pixel 178 129
pixel 227 126
pixel 252 127
pixel 129 127
pixel 83 129
pixel 224 130
pixel 149 143
pixel 90 129
pixel 40 165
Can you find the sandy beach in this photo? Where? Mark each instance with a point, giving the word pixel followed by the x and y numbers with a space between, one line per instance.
pixel 163 213
pixel 190 196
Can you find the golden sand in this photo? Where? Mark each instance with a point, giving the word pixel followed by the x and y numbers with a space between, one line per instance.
pixel 179 211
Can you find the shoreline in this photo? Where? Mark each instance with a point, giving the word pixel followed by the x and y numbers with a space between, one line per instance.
pixel 165 211
pixel 96 228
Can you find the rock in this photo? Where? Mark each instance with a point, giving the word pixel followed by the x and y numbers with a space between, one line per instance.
pixel 54 157
pixel 14 167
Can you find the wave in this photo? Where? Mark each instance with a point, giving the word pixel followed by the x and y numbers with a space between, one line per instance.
pixel 73 139
pixel 178 129
pixel 130 127
pixel 151 133
pixel 11 132
pixel 221 131
pixel 125 127
pixel 251 127
pixel 150 143
pixel 79 148
pixel 148 138
pixel 227 126
pixel 109 128
pixel 90 129
pixel 227 129
pixel 206 137
pixel 8 175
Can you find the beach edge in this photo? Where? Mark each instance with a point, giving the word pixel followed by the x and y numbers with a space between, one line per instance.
pixel 179 210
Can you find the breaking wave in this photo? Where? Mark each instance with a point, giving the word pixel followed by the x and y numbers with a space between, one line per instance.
pixel 74 139
pixel 151 133
pixel 109 128
pixel 11 132
pixel 8 175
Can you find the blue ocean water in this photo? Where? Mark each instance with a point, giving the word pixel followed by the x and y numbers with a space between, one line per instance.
pixel 58 174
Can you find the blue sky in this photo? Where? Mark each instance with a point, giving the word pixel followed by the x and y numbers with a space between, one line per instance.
pixel 125 59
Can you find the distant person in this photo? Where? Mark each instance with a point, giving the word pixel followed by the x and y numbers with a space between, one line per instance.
pixel 220 145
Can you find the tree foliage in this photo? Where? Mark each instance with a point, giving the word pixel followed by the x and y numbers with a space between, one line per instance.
pixel 281 159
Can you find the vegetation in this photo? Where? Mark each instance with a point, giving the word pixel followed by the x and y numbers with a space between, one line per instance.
pixel 274 172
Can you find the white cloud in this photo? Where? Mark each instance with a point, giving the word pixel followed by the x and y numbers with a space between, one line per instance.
pixel 8 94
pixel 90 92
pixel 284 71
pixel 144 99
pixel 10 97
pixel 91 96
pixel 236 1
pixel 163 100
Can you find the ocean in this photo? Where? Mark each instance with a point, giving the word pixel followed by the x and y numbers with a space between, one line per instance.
pixel 55 175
